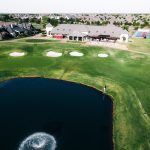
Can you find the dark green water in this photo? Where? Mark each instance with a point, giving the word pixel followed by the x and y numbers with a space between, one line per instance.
pixel 79 117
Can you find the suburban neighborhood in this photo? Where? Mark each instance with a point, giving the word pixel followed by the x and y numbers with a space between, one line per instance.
pixel 10 30
pixel 80 27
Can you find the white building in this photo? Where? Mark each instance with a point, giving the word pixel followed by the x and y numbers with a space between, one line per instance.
pixel 87 32
pixel 49 28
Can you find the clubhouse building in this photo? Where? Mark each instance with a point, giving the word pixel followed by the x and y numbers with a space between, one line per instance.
pixel 88 32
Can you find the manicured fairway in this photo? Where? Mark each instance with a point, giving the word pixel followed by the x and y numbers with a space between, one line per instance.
pixel 125 74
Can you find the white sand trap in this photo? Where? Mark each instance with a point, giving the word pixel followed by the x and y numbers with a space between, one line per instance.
pixel 103 55
pixel 53 54
pixel 17 54
pixel 77 54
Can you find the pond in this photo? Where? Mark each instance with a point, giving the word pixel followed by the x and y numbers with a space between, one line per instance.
pixel 71 116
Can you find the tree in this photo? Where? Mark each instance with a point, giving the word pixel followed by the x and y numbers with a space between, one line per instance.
pixel 126 27
pixel 61 20
pixel 146 23
pixel 105 22
pixel 136 27
pixel 87 22
pixel 53 22
pixel 44 21
pixel 135 23
pixel 19 20
pixel 26 20
pixel 4 17
pixel 97 22
pixel 35 20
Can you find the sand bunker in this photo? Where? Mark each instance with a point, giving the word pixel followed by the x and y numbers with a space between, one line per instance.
pixel 53 54
pixel 17 54
pixel 77 54
pixel 103 55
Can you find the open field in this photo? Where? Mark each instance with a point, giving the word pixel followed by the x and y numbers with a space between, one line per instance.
pixel 126 75
pixel 142 45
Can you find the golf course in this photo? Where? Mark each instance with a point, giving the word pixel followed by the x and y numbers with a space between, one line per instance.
pixel 124 73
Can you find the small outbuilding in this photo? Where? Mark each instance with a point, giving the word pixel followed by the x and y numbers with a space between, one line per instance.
pixel 49 28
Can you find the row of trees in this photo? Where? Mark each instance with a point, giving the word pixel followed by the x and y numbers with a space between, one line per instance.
pixel 135 24
pixel 61 20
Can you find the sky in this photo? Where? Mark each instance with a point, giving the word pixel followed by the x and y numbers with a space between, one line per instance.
pixel 74 6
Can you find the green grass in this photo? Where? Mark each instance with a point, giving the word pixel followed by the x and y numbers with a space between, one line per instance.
pixel 37 40
pixel 38 26
pixel 142 45
pixel 126 74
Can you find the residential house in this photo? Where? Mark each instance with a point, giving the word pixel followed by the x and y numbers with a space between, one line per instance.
pixel 11 31
pixel 4 34
pixel 69 16
pixel 8 30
